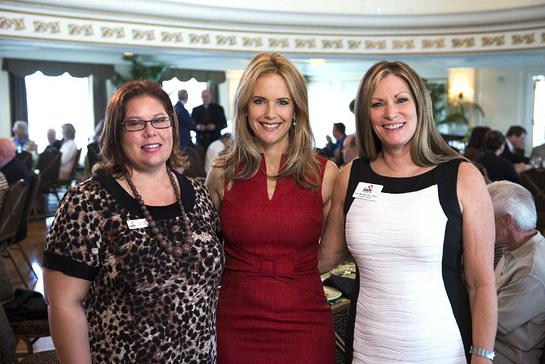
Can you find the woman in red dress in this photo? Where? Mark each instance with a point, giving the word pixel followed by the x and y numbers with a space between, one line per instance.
pixel 273 194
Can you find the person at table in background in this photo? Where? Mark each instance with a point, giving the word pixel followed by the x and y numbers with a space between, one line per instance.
pixel 209 120
pixel 52 140
pixel 333 151
pixel 520 276
pixel 408 209
pixel 475 146
pixel 68 151
pixel 93 148
pixel 497 167
pixel 13 168
pixel 350 149
pixel 537 158
pixel 21 139
pixel 515 140
pixel 273 194
pixel 185 122
pixel 215 149
pixel 134 258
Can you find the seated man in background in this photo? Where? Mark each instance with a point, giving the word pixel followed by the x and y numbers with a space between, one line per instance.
pixel 520 276
pixel 52 139
pixel 68 151
pixel 333 151
pixel 497 167
pixel 515 138
pixel 13 168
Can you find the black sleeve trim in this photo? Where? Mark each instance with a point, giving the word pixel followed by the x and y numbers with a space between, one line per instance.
pixel 69 266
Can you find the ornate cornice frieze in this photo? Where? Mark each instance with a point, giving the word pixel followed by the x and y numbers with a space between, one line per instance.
pixel 46 27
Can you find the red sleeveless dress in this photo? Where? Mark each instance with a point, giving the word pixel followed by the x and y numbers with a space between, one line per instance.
pixel 271 305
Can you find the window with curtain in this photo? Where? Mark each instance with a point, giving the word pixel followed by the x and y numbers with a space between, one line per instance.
pixel 538 137
pixel 328 102
pixel 55 100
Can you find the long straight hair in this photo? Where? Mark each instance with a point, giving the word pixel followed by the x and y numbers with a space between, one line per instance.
pixel 427 146
pixel 244 159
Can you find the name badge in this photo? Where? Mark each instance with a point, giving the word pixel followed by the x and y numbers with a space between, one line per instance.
pixel 137 224
pixel 367 191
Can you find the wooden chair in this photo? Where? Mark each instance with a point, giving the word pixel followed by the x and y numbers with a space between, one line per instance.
pixel 48 166
pixel 26 157
pixel 66 184
pixel 29 331
pixel 10 218
pixel 534 181
pixel 22 228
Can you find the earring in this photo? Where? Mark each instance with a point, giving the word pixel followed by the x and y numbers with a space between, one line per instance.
pixel 293 120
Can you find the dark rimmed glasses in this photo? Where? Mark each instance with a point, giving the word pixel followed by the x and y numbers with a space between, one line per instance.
pixel 139 124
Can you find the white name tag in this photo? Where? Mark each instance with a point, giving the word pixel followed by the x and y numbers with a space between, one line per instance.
pixel 137 224
pixel 367 191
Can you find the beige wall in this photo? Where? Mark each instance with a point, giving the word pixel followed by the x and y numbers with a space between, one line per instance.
pixel 506 95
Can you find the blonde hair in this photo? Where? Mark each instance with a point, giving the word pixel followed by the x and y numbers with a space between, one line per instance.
pixel 245 157
pixel 427 146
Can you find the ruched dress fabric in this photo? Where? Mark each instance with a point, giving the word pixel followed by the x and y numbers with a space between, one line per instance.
pixel 412 305
pixel 271 306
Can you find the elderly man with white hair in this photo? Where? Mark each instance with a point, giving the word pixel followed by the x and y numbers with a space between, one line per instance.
pixel 520 276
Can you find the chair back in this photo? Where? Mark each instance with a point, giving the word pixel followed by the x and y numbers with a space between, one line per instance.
pixel 26 157
pixel 49 164
pixel 31 195
pixel 7 339
pixel 6 289
pixel 534 181
pixel 12 212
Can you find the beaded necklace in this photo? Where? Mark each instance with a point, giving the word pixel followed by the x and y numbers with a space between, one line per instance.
pixel 177 251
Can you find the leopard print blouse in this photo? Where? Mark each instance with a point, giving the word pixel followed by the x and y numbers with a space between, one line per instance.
pixel 144 305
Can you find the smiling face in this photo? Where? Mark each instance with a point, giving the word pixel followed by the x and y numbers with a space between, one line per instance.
pixel 270 112
pixel 147 149
pixel 393 113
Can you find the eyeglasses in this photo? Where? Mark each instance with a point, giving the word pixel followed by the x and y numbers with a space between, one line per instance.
pixel 137 124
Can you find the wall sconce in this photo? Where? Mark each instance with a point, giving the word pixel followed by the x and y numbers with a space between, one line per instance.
pixel 461 84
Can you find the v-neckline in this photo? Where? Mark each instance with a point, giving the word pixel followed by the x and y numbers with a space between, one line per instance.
pixel 265 176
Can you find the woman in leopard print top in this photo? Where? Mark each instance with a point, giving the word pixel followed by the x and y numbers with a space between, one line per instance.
pixel 134 256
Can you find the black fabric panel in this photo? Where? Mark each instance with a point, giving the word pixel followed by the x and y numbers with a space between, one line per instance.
pixel 157 212
pixel 355 177
pixel 25 67
pixel 447 176
pixel 69 266
pixel 351 320
pixel 18 100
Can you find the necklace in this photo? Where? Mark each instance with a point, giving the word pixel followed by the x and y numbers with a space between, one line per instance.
pixel 177 251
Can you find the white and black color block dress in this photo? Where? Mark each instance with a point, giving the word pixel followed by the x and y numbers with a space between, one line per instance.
pixel 410 304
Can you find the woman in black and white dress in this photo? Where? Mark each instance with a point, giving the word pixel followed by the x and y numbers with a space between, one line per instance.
pixel 418 220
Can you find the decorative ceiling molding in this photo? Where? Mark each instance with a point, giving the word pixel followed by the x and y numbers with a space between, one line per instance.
pixel 16 25
pixel 347 15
